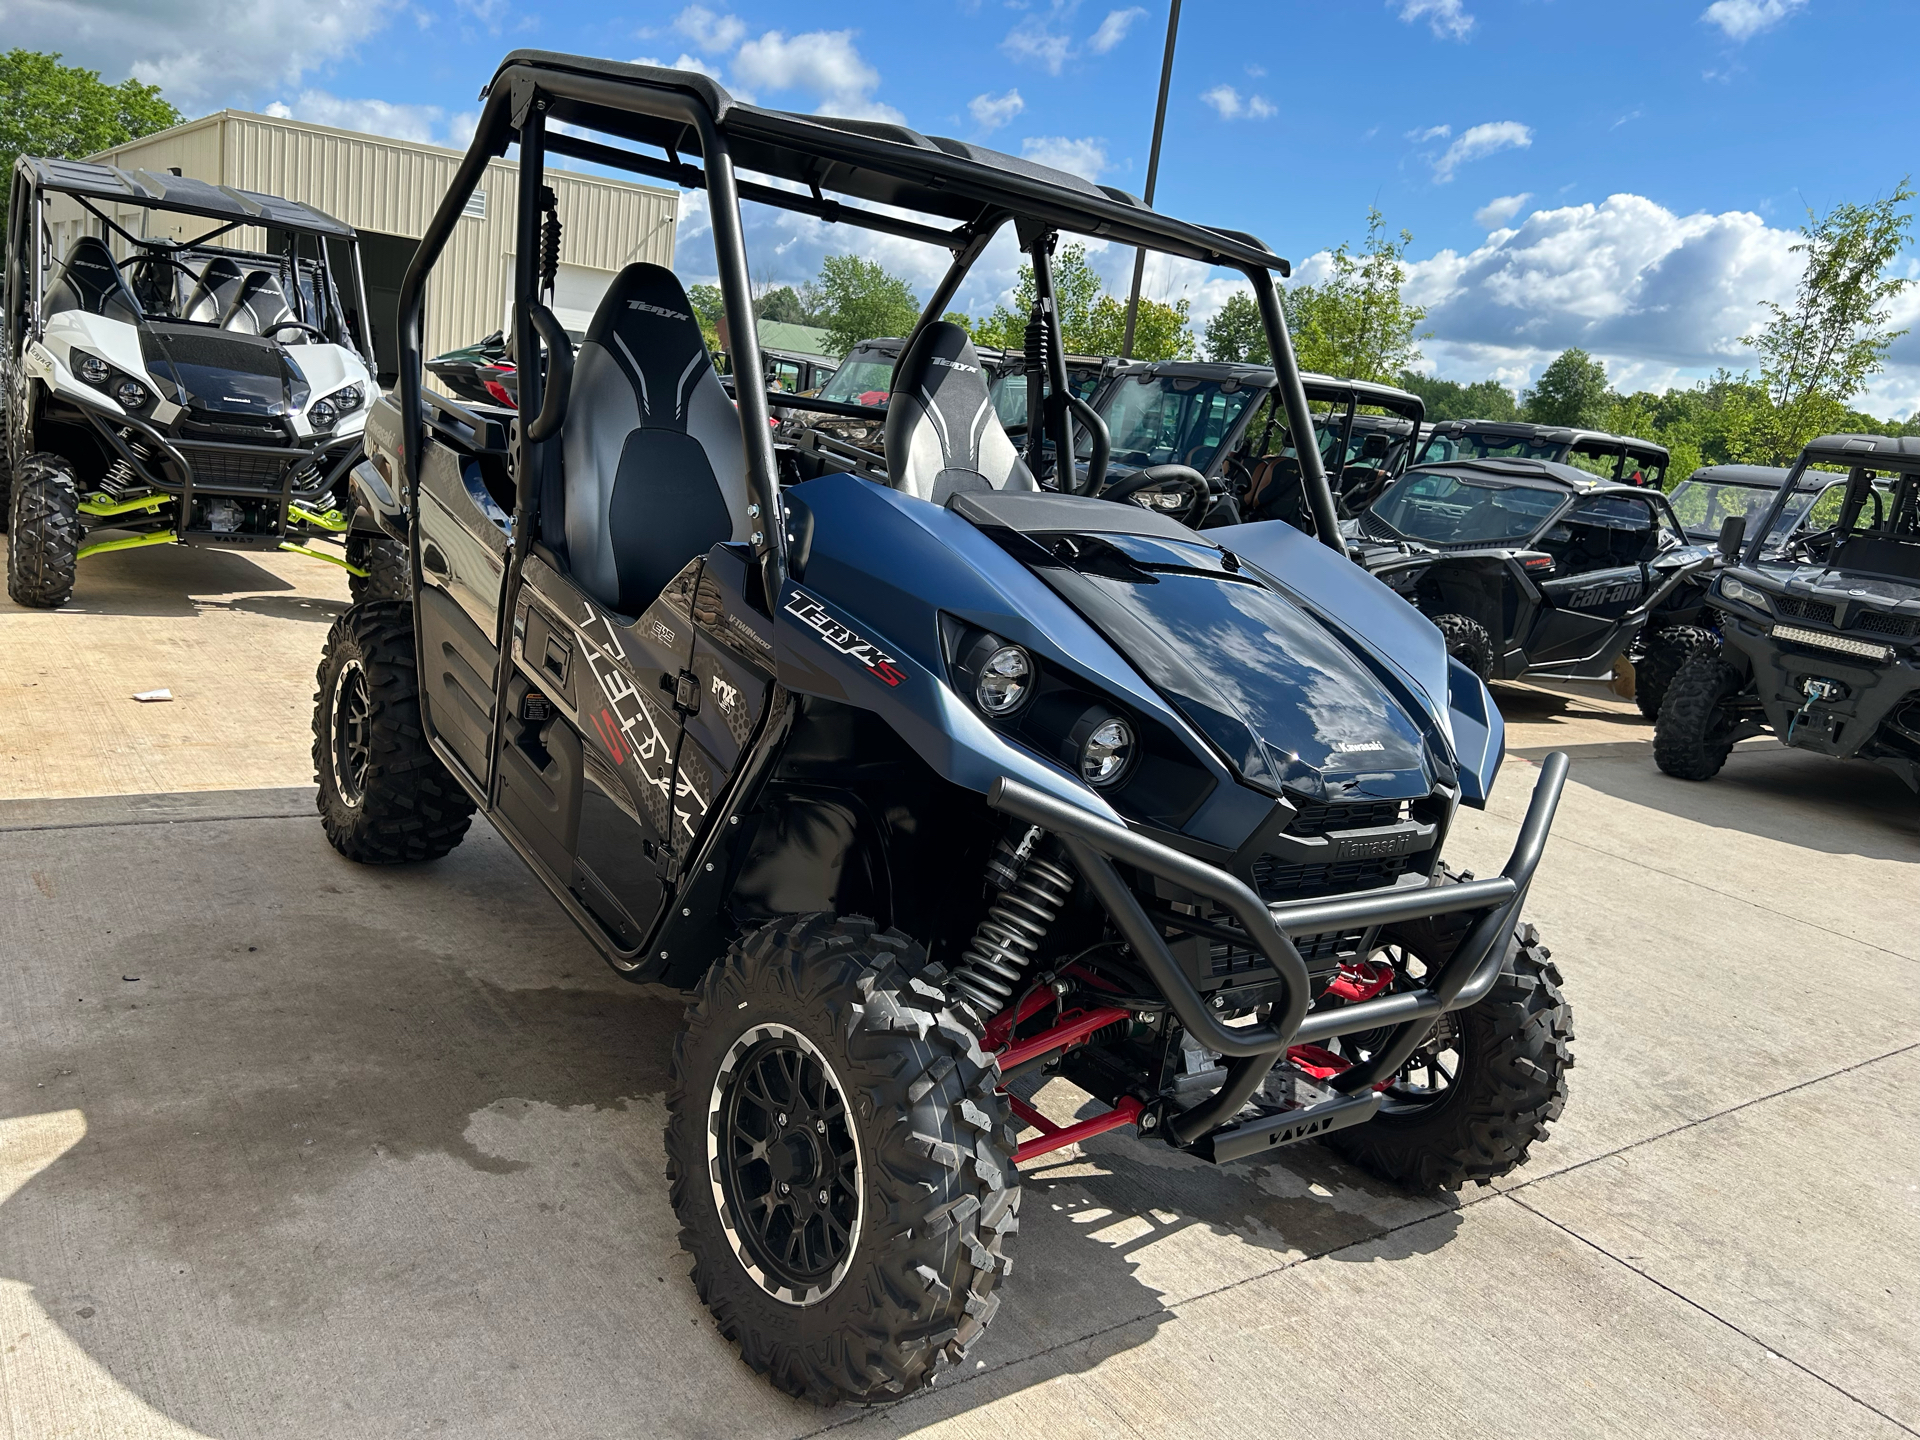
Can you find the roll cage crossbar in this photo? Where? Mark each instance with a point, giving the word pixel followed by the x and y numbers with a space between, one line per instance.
pixel 677 112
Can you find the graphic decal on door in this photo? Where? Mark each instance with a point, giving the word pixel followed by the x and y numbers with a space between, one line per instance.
pixel 636 729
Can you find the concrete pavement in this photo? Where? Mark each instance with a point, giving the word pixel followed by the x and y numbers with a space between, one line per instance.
pixel 290 1147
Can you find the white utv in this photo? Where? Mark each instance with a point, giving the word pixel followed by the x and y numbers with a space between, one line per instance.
pixel 180 367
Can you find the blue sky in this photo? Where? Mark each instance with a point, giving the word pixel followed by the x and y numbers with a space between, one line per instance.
pixel 1624 176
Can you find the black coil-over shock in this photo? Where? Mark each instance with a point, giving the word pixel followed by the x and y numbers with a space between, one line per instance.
pixel 549 240
pixel 1033 886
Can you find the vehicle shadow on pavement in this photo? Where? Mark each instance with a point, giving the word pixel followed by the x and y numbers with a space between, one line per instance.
pixel 1838 807
pixel 371 1150
pixel 167 581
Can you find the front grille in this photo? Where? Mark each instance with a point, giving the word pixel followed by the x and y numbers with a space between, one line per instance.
pixel 1276 881
pixel 1319 951
pixel 218 467
pixel 240 429
pixel 1361 815
pixel 1804 609
pixel 1882 624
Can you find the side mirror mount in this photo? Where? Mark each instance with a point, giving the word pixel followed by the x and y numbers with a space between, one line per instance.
pixel 1733 534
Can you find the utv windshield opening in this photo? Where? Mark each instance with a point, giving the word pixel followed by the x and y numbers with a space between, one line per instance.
pixel 1164 419
pixel 1444 509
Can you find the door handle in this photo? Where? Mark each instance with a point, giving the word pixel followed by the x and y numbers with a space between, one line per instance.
pixel 434 562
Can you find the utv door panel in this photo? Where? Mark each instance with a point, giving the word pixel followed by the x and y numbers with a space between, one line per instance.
pixel 462 551
pixel 456 682
pixel 617 871
pixel 539 789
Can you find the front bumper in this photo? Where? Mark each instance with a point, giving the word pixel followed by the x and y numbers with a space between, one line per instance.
pixel 1094 844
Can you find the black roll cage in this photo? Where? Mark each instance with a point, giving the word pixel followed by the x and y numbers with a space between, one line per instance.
pixel 1863 458
pixel 675 111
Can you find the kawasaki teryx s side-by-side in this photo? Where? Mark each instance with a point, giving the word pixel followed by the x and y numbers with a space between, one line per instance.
pixel 928 789
pixel 1624 458
pixel 1529 567
pixel 1821 633
pixel 166 387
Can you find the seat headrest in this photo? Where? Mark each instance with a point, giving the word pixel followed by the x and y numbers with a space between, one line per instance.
pixel 94 277
pixel 646 323
pixel 939 386
pixel 1376 446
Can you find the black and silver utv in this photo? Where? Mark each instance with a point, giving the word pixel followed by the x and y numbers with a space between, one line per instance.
pixel 1624 458
pixel 1821 633
pixel 166 388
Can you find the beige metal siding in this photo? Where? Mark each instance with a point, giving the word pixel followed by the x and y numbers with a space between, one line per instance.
pixel 394 187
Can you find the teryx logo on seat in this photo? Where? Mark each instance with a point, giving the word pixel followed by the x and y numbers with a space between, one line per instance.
pixel 655 309
pixel 811 613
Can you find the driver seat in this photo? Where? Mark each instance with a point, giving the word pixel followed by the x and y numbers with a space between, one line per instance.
pixel 209 301
pixel 943 437
pixel 655 470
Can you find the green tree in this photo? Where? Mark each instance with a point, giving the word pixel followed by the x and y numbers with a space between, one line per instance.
pixel 47 108
pixel 708 307
pixel 784 306
pixel 960 318
pixel 1235 332
pixel 1451 400
pixel 1092 322
pixel 859 301
pixel 1356 324
pixel 1818 352
pixel 1573 390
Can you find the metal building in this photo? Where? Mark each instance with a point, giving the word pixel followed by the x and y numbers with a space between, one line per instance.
pixel 388 190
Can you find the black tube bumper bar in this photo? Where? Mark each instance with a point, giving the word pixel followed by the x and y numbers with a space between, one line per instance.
pixel 1095 844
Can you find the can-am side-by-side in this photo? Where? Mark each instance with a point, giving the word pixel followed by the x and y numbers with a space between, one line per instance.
pixel 976 820
pixel 178 388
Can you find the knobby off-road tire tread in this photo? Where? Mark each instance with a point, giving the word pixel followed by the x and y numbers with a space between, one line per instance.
pixel 414 809
pixel 389 569
pixel 1667 652
pixel 1683 743
pixel 43 532
pixel 1516 1048
pixel 941 1195
pixel 1468 642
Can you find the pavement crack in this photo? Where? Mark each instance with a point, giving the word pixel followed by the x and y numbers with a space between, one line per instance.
pixel 1718 1319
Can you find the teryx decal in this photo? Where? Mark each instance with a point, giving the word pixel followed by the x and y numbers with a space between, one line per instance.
pixel 811 613
pixel 634 729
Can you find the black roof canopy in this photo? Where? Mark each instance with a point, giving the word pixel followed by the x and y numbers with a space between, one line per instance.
pixel 1873 452
pixel 162 191
pixel 1556 434
pixel 867 160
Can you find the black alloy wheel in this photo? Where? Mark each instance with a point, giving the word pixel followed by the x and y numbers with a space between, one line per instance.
pixel 352 731
pixel 786 1164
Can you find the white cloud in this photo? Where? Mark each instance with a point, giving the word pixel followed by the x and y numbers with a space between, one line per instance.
pixel 204 53
pixel 1432 132
pixel 821 62
pixel 1114 29
pixel 713 33
pixel 1087 157
pixel 1031 41
pixel 372 117
pixel 1497 211
pixel 1743 19
pixel 1231 105
pixel 1448 19
pixel 990 112
pixel 685 62
pixel 1479 142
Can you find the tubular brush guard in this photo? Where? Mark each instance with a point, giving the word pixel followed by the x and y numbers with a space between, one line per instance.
pixel 1095 844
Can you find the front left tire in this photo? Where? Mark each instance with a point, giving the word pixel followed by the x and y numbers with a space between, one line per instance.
pixel 840 1161
pixel 389 570
pixel 43 532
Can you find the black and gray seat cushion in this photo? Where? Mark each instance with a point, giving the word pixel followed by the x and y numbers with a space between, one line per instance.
pixel 942 435
pixel 91 281
pixel 218 287
pixel 655 469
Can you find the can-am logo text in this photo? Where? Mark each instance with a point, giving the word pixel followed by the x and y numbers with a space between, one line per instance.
pixel 811 613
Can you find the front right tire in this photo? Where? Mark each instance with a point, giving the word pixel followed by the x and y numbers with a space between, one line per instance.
pixel 840 1161
pixel 385 797
pixel 43 532
pixel 1697 724
pixel 389 569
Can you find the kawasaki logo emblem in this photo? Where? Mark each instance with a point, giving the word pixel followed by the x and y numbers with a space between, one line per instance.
pixel 1351 747
pixel 811 613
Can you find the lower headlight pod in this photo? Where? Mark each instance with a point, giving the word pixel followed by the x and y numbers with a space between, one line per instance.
pixel 1107 745
pixel 131 394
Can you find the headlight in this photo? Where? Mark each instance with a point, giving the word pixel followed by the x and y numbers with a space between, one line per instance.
pixel 131 394
pixel 1005 681
pixel 92 369
pixel 1745 594
pixel 1106 752
pixel 322 415
pixel 347 399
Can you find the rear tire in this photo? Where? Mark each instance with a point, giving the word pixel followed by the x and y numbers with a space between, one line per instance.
pixel 1666 653
pixel 43 532
pixel 1468 642
pixel 1514 1051
pixel 389 569
pixel 1694 734
pixel 899 1124
pixel 385 797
